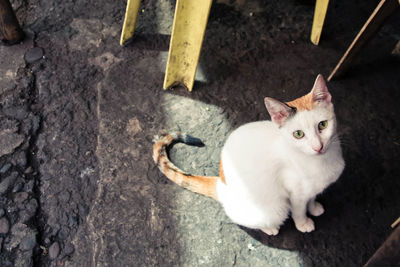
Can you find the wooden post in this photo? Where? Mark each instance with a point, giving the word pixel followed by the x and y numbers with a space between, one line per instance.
pixel 10 31
pixel 388 254
pixel 384 9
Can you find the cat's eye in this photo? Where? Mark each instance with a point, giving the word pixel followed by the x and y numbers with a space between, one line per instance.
pixel 298 134
pixel 322 125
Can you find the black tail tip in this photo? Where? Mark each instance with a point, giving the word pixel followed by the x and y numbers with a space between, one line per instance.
pixel 193 141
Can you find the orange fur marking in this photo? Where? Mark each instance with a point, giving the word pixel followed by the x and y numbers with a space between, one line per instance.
pixel 205 185
pixel 221 172
pixel 302 103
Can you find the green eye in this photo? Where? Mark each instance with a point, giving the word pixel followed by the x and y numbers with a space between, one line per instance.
pixel 298 134
pixel 322 125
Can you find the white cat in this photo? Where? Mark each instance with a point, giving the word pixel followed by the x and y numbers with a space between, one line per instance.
pixel 269 169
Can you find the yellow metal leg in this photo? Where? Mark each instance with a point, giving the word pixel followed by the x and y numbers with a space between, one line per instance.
pixel 321 7
pixel 131 13
pixel 188 30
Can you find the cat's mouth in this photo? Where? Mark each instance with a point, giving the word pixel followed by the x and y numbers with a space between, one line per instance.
pixel 321 151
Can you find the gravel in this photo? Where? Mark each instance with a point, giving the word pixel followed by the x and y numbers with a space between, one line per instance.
pixel 8 182
pixel 4 226
pixel 34 54
pixel 54 250
pixel 5 168
pixel 9 141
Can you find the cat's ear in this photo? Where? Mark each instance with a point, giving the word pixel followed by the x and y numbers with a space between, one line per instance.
pixel 320 91
pixel 279 111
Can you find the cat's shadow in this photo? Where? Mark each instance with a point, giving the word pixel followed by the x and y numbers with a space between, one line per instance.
pixel 289 238
pixel 346 224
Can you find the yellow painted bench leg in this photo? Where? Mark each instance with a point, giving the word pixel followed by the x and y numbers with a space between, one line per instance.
pixel 188 30
pixel 321 7
pixel 131 13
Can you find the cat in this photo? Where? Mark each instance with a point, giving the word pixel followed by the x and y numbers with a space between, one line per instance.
pixel 270 169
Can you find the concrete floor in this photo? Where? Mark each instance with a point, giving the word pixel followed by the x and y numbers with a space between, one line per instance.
pixel 102 199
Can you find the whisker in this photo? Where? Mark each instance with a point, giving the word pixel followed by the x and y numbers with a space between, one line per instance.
pixel 341 139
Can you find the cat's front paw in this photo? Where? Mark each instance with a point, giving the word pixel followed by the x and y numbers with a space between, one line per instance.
pixel 270 231
pixel 305 226
pixel 316 209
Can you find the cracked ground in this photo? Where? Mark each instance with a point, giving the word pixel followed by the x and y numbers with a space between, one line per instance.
pixel 78 114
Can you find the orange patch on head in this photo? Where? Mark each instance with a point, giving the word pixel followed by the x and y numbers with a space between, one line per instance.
pixel 303 103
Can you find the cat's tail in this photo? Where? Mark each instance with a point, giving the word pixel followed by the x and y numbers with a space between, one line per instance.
pixel 205 185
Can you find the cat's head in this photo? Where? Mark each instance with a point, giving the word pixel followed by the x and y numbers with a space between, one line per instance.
pixel 308 123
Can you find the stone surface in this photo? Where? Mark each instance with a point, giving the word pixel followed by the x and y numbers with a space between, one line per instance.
pixel 11 60
pixel 4 226
pixel 22 237
pixel 25 258
pixel 54 250
pixel 5 168
pixel 28 211
pixel 18 187
pixel 20 197
pixel 28 243
pixel 68 249
pixel 34 54
pixel 9 141
pixel 8 182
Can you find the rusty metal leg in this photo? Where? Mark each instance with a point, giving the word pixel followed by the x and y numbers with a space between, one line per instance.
pixel 10 31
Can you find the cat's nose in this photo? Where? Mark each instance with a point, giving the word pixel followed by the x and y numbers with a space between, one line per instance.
pixel 318 148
